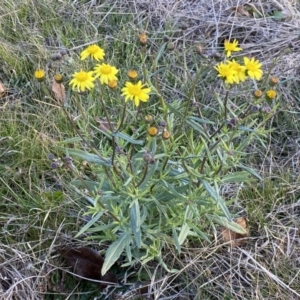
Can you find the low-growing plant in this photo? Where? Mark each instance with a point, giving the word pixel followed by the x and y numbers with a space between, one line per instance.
pixel 158 165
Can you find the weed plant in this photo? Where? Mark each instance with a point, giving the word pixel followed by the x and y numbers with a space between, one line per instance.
pixel 158 164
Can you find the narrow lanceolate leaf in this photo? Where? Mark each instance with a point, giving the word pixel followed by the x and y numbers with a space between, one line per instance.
pixel 128 138
pixel 251 171
pixel 114 251
pixel 89 224
pixel 228 224
pixel 185 229
pixel 90 157
pixel 196 126
pixel 216 197
pixel 135 220
pixel 176 241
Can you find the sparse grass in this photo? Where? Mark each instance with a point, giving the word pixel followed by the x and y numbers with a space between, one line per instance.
pixel 38 209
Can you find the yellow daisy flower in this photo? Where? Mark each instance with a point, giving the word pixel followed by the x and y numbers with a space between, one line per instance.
pixel 227 72
pixel 271 94
pixel 240 75
pixel 231 47
pixel 253 68
pixel 94 51
pixel 135 92
pixel 106 73
pixel 39 74
pixel 82 80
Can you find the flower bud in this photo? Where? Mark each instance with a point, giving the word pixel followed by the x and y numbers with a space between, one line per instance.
pixel 274 80
pixel 166 134
pixel 257 94
pixel 58 78
pixel 152 131
pixel 149 119
pixel 56 57
pixel 143 39
pixel 112 84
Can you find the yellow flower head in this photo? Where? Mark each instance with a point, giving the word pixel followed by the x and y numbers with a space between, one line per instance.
pixel 132 74
pixel 94 51
pixel 166 135
pixel 82 80
pixel 231 47
pixel 135 92
pixel 227 72
pixel 39 74
pixel 106 73
pixel 240 75
pixel 253 68
pixel 113 84
pixel 271 94
pixel 152 131
pixel 58 78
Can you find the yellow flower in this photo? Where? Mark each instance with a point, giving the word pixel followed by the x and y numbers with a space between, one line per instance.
pixel 135 92
pixel 227 72
pixel 82 80
pixel 152 131
pixel 106 73
pixel 271 94
pixel 39 75
pixel 253 68
pixel 240 75
pixel 231 47
pixel 166 135
pixel 132 74
pixel 113 84
pixel 58 78
pixel 94 51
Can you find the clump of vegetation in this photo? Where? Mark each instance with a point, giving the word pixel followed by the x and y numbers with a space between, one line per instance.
pixel 171 132
pixel 158 165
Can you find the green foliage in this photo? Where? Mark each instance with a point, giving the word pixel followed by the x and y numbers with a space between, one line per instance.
pixel 158 171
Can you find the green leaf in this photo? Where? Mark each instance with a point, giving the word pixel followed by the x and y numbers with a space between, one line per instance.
pixel 185 229
pixel 176 241
pixel 278 15
pixel 128 138
pixel 151 170
pixel 173 191
pixel 93 158
pixel 135 220
pixel 70 141
pixel 227 224
pixel 199 120
pixel 242 176
pixel 213 193
pixel 166 196
pixel 251 171
pixel 114 251
pixel 89 224
pixel 196 126
pixel 175 111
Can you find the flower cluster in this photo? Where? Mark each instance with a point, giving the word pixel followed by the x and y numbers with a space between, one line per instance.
pixel 232 71
pixel 107 74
